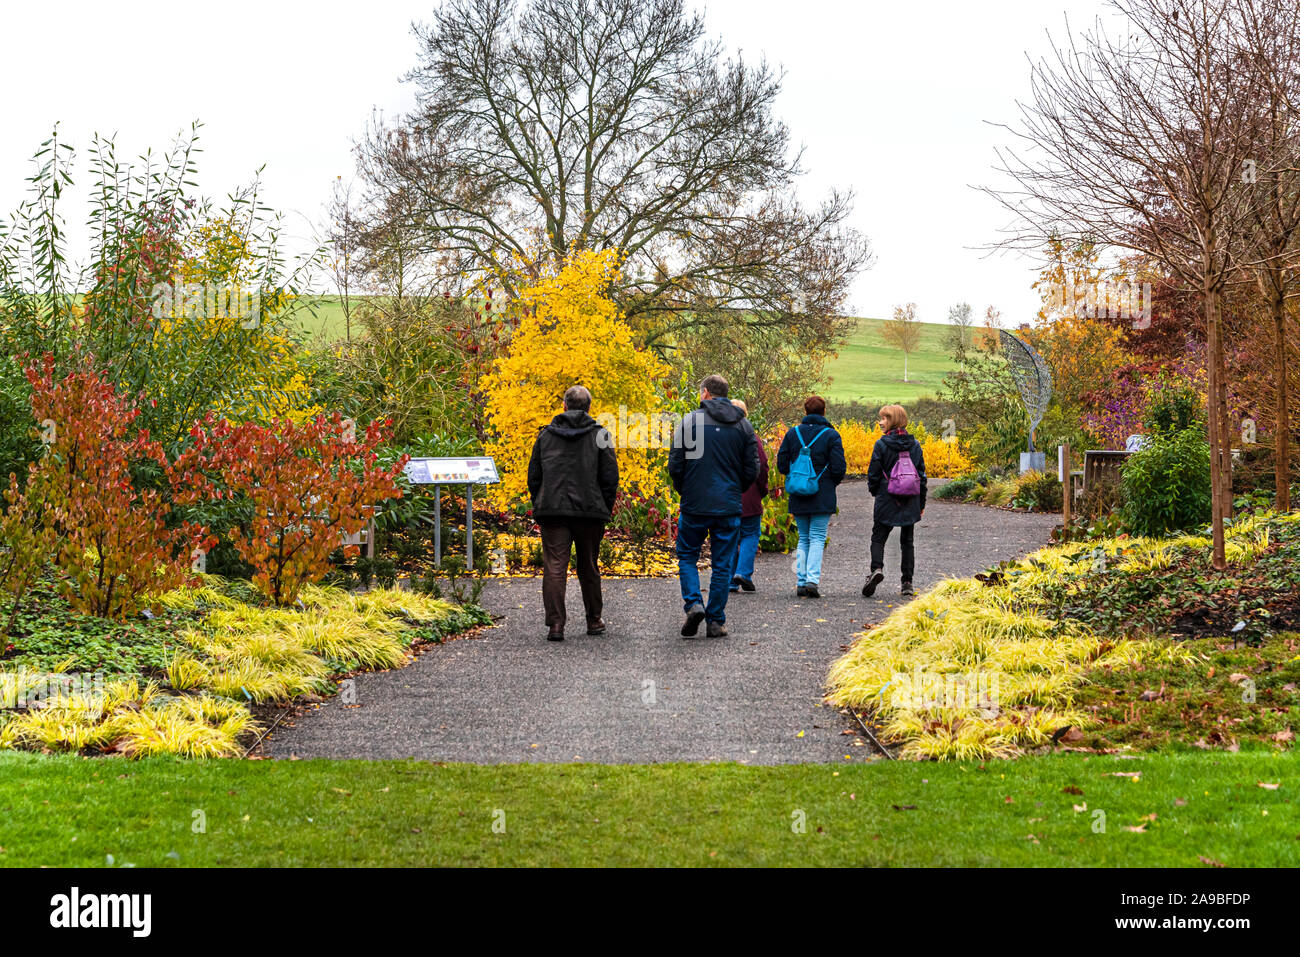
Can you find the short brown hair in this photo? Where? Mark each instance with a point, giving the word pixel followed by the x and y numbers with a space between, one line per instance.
pixel 814 405
pixel 715 386
pixel 895 417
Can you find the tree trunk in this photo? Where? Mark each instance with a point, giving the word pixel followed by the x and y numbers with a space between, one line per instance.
pixel 1282 428
pixel 1215 422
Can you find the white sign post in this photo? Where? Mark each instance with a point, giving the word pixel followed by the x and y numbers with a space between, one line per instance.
pixel 478 470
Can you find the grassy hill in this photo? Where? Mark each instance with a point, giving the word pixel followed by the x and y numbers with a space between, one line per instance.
pixel 869 371
pixel 866 370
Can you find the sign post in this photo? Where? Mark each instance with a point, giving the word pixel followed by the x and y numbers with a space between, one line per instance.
pixel 1063 468
pixel 438 472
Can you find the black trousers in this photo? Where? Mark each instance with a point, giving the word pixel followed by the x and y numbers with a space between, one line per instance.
pixel 585 535
pixel 880 535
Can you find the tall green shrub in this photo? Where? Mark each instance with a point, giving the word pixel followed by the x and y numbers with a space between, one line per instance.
pixel 1167 483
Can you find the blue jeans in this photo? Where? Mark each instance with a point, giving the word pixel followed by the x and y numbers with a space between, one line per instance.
pixel 750 530
pixel 723 532
pixel 812 541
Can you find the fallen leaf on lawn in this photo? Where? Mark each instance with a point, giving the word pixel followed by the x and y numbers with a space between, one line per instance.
pixel 341 791
pixel 1180 802
pixel 1267 786
pixel 1080 808
pixel 1285 735
pixel 1140 829
pixel 903 807
pixel 1237 676
pixel 1071 789
pixel 1009 800
pixel 1209 860
pixel 1131 775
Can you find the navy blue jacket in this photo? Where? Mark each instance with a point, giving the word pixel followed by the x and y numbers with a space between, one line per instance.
pixel 826 453
pixel 714 458
pixel 895 509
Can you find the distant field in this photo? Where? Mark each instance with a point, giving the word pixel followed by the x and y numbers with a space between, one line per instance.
pixel 323 316
pixel 869 371
pixel 866 370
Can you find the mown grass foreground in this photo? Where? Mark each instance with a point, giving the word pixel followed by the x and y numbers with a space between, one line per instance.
pixel 1187 810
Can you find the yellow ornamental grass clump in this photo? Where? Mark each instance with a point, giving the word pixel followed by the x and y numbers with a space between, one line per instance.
pixel 572 333
pixel 136 721
pixel 970 670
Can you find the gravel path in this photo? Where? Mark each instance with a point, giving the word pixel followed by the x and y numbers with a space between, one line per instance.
pixel 640 692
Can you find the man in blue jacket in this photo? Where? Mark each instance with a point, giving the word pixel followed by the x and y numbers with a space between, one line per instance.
pixel 714 458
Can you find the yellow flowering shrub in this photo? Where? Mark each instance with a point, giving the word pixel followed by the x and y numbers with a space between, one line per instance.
pixel 858 443
pixel 572 333
pixel 944 458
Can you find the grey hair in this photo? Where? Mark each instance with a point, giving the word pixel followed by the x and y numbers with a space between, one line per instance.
pixel 576 397
pixel 715 386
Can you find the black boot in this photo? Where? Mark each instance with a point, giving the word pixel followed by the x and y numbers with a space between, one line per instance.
pixel 873 581
pixel 693 618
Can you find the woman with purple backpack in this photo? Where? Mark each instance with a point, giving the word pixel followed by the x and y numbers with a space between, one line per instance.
pixel 896 477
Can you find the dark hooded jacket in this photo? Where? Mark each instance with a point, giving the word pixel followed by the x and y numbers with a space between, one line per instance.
pixel 714 458
pixel 751 503
pixel 895 509
pixel 573 471
pixel 827 454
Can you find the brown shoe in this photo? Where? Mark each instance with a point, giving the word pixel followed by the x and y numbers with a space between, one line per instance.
pixel 716 629
pixel 555 635
pixel 596 627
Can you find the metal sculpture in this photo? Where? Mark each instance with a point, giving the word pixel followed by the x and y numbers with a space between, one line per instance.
pixel 1032 377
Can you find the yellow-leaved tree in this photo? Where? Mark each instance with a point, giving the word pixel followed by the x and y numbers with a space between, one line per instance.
pixel 571 332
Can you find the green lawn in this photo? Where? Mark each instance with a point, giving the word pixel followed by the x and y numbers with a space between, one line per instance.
pixel 76 812
pixel 869 371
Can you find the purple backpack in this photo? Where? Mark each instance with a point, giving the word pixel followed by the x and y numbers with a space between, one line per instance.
pixel 903 480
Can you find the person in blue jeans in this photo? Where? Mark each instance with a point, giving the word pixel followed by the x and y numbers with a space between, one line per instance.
pixel 714 458
pixel 812 513
pixel 751 520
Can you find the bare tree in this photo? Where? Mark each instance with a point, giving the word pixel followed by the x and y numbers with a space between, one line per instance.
pixel 1271 244
pixel 903 332
pixel 962 318
pixel 1138 142
pixel 549 126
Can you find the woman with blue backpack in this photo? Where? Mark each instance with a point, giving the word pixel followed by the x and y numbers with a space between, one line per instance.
pixel 811 458
pixel 896 477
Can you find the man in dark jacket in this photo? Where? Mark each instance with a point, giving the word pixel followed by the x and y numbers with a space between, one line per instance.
pixel 714 458
pixel 572 480
pixel 894 511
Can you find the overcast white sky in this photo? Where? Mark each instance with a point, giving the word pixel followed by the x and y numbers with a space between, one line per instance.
pixel 891 99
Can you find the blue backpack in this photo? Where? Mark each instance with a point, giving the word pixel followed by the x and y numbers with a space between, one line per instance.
pixel 802 479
